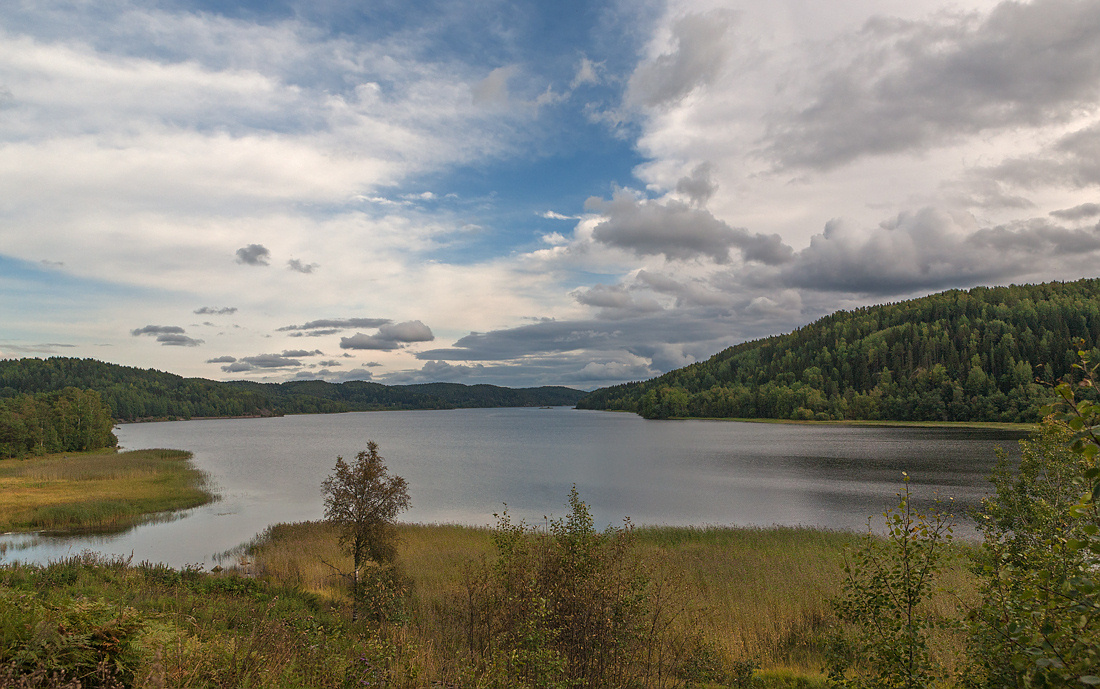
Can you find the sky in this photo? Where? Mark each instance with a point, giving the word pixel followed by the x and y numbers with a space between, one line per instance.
pixel 523 193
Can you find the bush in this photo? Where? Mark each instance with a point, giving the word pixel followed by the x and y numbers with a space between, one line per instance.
pixel 571 606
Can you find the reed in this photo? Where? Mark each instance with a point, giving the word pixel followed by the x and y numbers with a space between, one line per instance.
pixel 761 595
pixel 101 490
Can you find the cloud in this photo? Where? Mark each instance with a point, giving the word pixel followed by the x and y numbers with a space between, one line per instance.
pixel 1085 210
pixel 261 361
pixel 296 265
pixel 910 85
pixel 678 231
pixel 210 310
pixel 493 90
pixel 390 337
pixel 1072 161
pixel 301 352
pixel 332 325
pixel 615 300
pixel 253 255
pixel 586 74
pixel 698 54
pixel 934 249
pixel 699 187
pixel 551 215
pixel 157 330
pixel 175 340
pixel 222 360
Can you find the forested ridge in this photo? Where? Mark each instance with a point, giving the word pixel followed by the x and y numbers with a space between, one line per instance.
pixel 134 394
pixel 67 420
pixel 985 354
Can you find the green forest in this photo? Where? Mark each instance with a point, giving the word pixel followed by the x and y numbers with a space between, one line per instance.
pixel 68 420
pixel 985 354
pixel 134 394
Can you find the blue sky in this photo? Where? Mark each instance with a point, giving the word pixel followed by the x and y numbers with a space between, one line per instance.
pixel 523 193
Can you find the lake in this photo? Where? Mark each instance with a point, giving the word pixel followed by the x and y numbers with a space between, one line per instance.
pixel 462 466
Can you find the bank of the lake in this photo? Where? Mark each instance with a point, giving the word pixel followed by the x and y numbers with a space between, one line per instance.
pixel 97 491
pixel 761 597
pixel 1021 428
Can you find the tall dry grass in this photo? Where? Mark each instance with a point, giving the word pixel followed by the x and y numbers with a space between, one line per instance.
pixel 96 490
pixel 759 594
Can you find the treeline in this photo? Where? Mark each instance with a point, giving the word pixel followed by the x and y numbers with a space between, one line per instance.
pixel 68 420
pixel 987 354
pixel 134 394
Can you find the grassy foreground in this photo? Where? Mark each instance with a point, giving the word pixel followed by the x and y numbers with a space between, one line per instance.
pixel 762 596
pixel 96 490
pixel 279 616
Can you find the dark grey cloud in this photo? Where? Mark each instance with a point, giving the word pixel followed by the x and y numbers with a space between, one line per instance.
pixel 679 231
pixel 1073 161
pixel 699 54
pixel 913 85
pixel 334 376
pixel 301 352
pixel 254 255
pixel 41 348
pixel 699 186
pixel 222 360
pixel 261 361
pixel 168 335
pixel 296 265
pixel 1085 210
pixel 315 333
pixel 333 325
pixel 688 292
pixel 390 337
pixel 616 300
pixel 332 363
pixel 585 337
pixel 158 330
pixel 176 340
pixel 932 249
pixel 212 311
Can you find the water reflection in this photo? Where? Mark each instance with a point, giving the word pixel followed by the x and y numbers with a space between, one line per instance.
pixel 463 465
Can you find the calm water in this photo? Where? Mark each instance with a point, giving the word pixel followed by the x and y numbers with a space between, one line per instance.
pixel 462 466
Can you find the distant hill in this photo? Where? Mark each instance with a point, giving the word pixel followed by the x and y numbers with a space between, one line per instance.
pixel 135 394
pixel 978 355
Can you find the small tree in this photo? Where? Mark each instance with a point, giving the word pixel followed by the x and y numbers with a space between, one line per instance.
pixel 884 599
pixel 362 500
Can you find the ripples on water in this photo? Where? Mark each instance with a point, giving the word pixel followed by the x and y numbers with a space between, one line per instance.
pixel 463 465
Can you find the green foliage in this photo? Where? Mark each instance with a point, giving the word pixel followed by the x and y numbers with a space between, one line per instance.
pixel 68 420
pixel 1039 622
pixel 362 500
pixel 884 602
pixel 134 394
pixel 572 606
pixel 987 354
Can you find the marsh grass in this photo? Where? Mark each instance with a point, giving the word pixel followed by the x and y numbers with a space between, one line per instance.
pixel 761 595
pixel 101 490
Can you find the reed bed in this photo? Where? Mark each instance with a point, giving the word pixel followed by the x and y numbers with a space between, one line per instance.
pixel 760 594
pixel 97 490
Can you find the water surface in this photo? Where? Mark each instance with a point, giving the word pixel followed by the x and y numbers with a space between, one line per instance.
pixel 462 466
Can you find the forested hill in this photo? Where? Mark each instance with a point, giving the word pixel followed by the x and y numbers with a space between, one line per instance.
pixel 134 393
pixel 955 356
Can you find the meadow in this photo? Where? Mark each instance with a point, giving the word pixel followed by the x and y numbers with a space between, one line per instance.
pixel 93 491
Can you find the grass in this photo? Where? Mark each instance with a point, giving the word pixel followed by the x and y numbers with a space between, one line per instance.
pixel 279 615
pixel 761 595
pixel 103 490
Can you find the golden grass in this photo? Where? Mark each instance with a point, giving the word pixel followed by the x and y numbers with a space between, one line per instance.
pixel 96 490
pixel 758 594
